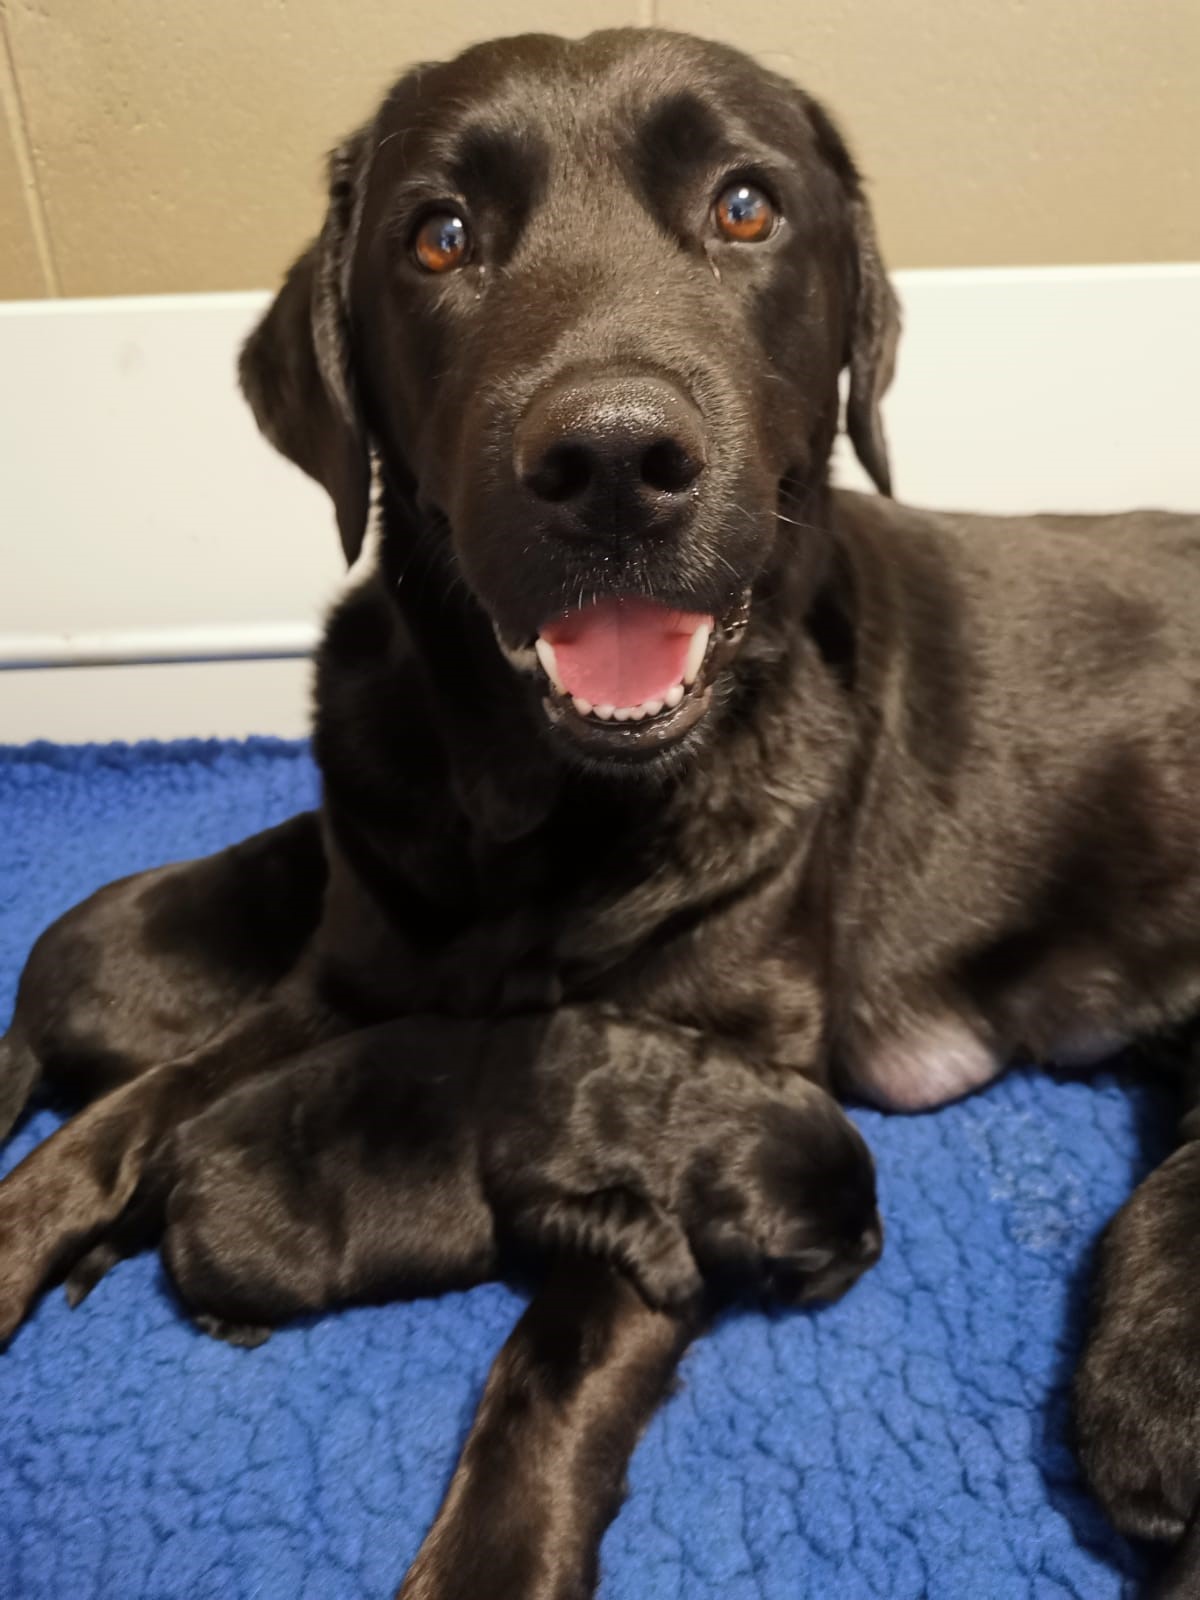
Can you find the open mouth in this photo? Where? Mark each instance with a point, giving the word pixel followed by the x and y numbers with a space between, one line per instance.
pixel 627 676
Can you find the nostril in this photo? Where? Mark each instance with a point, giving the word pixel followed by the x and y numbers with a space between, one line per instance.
pixel 563 473
pixel 669 466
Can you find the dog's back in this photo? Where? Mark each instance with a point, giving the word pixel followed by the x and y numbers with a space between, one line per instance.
pixel 1025 876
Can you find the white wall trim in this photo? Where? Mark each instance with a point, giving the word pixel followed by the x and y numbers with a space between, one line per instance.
pixel 155 547
pixel 253 641
pixel 254 301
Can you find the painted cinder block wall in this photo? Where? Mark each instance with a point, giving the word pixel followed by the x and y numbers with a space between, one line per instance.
pixel 155 146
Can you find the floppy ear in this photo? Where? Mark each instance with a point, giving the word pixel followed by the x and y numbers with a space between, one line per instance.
pixel 295 367
pixel 875 333
pixel 874 330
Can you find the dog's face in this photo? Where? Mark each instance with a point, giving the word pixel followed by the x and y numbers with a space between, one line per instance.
pixel 785 1204
pixel 589 301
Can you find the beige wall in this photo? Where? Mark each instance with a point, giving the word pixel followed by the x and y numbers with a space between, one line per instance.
pixel 158 145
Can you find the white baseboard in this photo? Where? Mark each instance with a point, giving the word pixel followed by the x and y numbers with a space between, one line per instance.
pixel 143 521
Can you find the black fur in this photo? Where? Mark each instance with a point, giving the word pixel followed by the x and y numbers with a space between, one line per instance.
pixel 412 1157
pixel 930 806
pixel 1138 1386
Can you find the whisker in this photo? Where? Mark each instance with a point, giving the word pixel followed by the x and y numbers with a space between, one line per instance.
pixel 805 527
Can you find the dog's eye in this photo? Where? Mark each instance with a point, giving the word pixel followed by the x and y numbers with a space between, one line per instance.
pixel 440 243
pixel 744 214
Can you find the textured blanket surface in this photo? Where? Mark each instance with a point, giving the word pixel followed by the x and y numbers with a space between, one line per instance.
pixel 910 1442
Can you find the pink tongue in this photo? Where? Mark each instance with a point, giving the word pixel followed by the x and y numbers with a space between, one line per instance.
pixel 622 652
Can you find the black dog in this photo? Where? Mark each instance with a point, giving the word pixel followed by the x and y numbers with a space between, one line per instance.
pixel 628 712
pixel 374 1167
pixel 1138 1386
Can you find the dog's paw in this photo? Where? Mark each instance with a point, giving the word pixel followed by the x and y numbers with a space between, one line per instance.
pixel 244 1335
pixel 1137 1392
pixel 88 1271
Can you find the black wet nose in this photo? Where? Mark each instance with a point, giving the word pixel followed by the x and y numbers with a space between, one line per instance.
pixel 604 449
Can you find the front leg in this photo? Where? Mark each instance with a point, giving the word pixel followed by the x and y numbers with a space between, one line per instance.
pixel 1137 1394
pixel 542 1472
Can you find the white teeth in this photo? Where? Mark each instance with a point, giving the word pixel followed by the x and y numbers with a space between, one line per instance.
pixel 695 655
pixel 545 654
pixel 648 708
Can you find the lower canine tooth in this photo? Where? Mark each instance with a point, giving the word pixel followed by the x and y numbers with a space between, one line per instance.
pixel 603 712
pixel 695 655
pixel 545 654
pixel 674 695
pixel 584 707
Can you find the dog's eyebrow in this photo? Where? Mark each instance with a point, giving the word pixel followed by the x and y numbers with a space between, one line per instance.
pixel 683 130
pixel 679 137
pixel 503 167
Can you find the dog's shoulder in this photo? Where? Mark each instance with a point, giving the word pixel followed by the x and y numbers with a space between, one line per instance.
pixel 877 529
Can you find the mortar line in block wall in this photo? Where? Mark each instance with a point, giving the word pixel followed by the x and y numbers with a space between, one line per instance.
pixel 18 126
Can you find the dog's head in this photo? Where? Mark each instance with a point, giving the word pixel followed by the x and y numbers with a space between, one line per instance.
pixel 783 1201
pixel 588 302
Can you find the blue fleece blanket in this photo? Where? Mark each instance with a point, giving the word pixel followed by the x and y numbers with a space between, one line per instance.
pixel 910 1442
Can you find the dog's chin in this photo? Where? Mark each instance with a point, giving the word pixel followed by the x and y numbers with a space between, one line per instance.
pixel 651 737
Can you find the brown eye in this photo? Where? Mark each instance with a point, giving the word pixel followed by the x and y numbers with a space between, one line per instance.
pixel 440 243
pixel 744 214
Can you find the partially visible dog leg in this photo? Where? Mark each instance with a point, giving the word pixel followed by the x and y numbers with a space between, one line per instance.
pixel 1137 1393
pixel 542 1472
pixel 148 969
pixel 1181 1580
